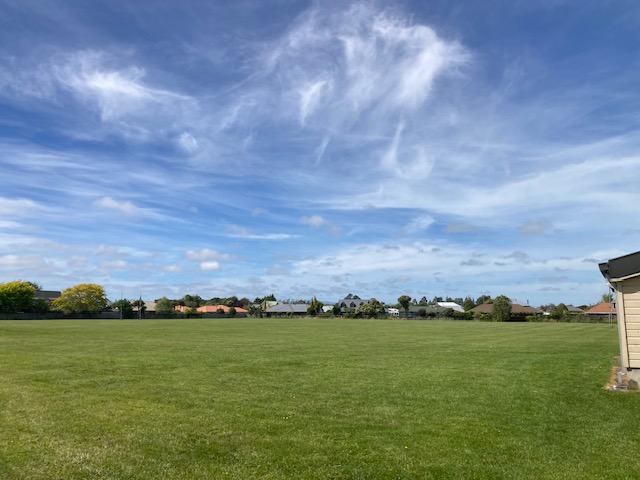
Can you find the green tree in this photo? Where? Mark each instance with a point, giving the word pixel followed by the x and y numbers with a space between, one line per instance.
pixel 501 309
pixel 192 301
pixel 255 310
pixel 607 297
pixel 483 299
pixel 232 311
pixel 468 304
pixel 140 306
pixel 560 311
pixel 124 307
pixel 404 301
pixel 337 310
pixel 372 309
pixel 424 301
pixel 315 307
pixel 85 298
pixel 232 301
pixel 164 306
pixel 16 296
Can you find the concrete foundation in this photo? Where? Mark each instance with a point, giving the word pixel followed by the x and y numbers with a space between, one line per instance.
pixel 633 379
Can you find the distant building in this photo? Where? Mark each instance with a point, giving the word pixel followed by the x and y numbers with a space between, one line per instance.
pixel 602 310
pixel 47 295
pixel 452 305
pixel 515 308
pixel 299 309
pixel 351 302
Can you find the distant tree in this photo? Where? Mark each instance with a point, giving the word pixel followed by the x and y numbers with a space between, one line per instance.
pixel 85 298
pixel 164 306
pixel 549 308
pixel 337 310
pixel 560 311
pixel 192 301
pixel 255 310
pixel 232 311
pixel 16 296
pixel 232 301
pixel 140 305
pixel 468 304
pixel 404 301
pixel 607 297
pixel 436 299
pixel 220 311
pixel 39 305
pixel 372 309
pixel 424 301
pixel 422 312
pixel 501 309
pixel 483 299
pixel 35 285
pixel 244 302
pixel 124 307
pixel 315 307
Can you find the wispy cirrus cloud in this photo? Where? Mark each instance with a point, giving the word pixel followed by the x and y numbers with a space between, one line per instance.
pixel 18 206
pixel 236 231
pixel 122 206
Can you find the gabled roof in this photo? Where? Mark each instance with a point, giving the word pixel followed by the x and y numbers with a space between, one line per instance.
pixel 47 295
pixel 603 308
pixel 215 308
pixel 621 267
pixel 353 302
pixel 451 305
pixel 515 308
pixel 288 307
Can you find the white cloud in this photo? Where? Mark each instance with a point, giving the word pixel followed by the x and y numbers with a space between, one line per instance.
pixel 125 207
pixel 18 207
pixel 114 264
pixel 188 143
pixel 118 91
pixel 536 227
pixel 310 96
pixel 210 266
pixel 236 231
pixel 313 221
pixel 420 223
pixel 207 254
pixel 353 68
pixel 171 268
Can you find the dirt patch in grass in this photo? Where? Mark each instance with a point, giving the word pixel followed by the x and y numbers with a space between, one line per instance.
pixel 613 384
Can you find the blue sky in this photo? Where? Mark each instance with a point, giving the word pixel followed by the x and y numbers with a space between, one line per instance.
pixel 319 148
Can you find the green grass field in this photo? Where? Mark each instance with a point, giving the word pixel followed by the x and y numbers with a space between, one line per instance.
pixel 317 399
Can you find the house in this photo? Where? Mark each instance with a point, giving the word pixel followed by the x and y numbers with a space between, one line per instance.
pixel 574 310
pixel 623 275
pixel 351 302
pixel 215 308
pixel 299 309
pixel 602 310
pixel 452 305
pixel 46 295
pixel 516 308
pixel 211 309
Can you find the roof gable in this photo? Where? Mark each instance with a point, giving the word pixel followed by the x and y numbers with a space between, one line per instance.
pixel 621 267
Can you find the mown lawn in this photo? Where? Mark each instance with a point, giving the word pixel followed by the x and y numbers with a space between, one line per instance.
pixel 317 399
